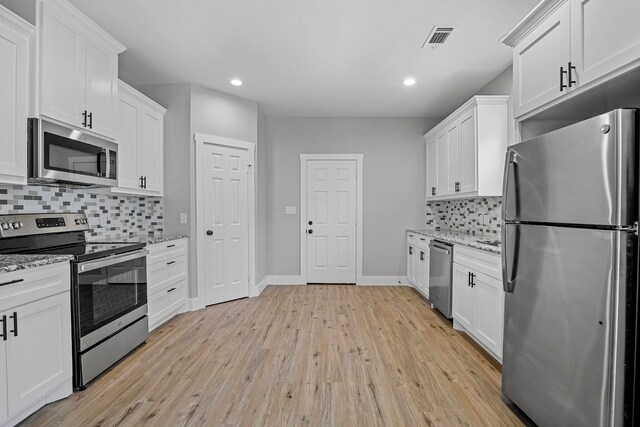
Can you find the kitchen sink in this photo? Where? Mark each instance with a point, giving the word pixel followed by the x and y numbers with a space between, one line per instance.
pixel 489 242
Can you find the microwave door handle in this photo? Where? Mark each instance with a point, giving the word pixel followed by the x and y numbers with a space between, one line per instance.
pixel 94 265
pixel 102 163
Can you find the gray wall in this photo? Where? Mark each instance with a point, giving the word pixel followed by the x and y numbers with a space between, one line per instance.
pixel 194 109
pixel 394 183
pixel 262 212
pixel 502 84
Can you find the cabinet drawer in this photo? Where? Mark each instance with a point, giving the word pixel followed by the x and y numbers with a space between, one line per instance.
pixel 480 261
pixel 160 252
pixel 418 241
pixel 164 273
pixel 167 300
pixel 34 284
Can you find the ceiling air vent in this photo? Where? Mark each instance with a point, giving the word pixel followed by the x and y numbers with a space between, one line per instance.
pixel 438 35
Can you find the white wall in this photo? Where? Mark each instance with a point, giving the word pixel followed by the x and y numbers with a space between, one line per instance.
pixel 394 183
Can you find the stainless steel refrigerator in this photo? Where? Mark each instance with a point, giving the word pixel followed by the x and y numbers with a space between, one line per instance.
pixel 570 261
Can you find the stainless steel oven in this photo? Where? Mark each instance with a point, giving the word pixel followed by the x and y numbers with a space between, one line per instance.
pixel 63 156
pixel 110 311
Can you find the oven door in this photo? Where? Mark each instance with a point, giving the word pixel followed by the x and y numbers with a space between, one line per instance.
pixel 110 294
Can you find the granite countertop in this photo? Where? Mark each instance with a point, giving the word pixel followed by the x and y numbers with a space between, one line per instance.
pixel 149 240
pixel 9 263
pixel 460 238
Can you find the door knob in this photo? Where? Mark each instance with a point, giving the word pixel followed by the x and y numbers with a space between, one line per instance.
pixel 310 231
pixel 209 233
pixel 310 222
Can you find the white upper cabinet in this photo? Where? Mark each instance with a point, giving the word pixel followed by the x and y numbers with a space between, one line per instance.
pixel 465 152
pixel 566 47
pixel 605 36
pixel 78 69
pixel 540 61
pixel 15 36
pixel 140 135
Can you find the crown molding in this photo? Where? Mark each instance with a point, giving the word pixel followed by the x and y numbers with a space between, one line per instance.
pixel 531 21
pixel 15 22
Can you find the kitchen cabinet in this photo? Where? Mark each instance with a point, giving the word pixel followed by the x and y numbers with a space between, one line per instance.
pixel 418 262
pixel 478 298
pixel 35 307
pixel 78 69
pixel 167 280
pixel 566 47
pixel 465 152
pixel 140 138
pixel 15 40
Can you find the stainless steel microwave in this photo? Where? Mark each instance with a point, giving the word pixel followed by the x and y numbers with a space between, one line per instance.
pixel 68 157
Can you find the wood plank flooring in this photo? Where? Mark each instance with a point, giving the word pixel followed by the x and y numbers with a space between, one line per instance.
pixel 297 355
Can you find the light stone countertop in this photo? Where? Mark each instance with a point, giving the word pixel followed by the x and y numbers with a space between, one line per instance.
pixel 460 238
pixel 9 263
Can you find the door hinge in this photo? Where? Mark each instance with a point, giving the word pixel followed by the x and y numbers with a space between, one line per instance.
pixel 630 228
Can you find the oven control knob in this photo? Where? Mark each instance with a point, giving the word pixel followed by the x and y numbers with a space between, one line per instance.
pixel 78 221
pixel 16 225
pixel 6 225
pixel 84 220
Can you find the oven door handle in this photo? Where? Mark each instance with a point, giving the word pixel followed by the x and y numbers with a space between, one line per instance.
pixel 112 260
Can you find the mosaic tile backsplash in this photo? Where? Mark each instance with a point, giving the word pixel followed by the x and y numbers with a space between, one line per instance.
pixel 110 216
pixel 466 215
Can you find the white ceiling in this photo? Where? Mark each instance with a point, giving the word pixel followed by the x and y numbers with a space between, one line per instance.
pixel 315 57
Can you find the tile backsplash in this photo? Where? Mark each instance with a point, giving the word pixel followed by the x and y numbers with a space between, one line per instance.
pixel 466 215
pixel 110 216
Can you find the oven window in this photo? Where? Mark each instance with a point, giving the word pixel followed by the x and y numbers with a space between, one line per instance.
pixel 107 293
pixel 68 155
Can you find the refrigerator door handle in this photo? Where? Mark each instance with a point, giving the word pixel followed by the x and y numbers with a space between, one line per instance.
pixel 510 258
pixel 511 162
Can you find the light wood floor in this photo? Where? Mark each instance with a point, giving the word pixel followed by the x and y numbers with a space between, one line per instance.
pixel 297 355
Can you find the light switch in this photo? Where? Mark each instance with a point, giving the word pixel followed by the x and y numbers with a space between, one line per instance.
pixel 486 219
pixel 290 210
pixel 183 218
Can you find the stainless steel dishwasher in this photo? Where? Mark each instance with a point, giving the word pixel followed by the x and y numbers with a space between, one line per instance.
pixel 440 272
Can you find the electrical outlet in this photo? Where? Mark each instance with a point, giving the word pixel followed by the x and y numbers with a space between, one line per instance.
pixel 486 219
pixel 290 210
pixel 183 218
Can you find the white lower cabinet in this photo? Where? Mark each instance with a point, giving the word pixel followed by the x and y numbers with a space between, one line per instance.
pixel 478 298
pixel 35 348
pixel 167 280
pixel 418 262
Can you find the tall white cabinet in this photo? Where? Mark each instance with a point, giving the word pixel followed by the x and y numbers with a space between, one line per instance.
pixel 15 40
pixel 140 138
pixel 77 72
pixel 465 152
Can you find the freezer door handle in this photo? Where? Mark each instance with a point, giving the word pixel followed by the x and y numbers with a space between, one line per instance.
pixel 510 257
pixel 511 163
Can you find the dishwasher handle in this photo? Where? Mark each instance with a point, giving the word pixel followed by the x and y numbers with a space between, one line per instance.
pixel 440 249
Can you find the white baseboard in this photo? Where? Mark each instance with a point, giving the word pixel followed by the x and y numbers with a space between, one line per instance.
pixel 263 284
pixel 193 304
pixel 285 280
pixel 383 281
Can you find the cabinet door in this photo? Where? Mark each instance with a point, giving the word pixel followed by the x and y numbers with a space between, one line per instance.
pixel 101 88
pixel 432 167
pixel 150 150
pixel 463 304
pixel 443 165
pixel 489 312
pixel 127 137
pixel 411 255
pixel 424 272
pixel 468 153
pixel 453 145
pixel 605 36
pixel 4 413
pixel 39 357
pixel 14 50
pixel 62 76
pixel 537 60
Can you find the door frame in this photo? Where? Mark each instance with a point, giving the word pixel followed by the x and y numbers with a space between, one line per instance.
pixel 200 140
pixel 304 158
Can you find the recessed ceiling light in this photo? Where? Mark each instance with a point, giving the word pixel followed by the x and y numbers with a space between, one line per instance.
pixel 409 81
pixel 236 82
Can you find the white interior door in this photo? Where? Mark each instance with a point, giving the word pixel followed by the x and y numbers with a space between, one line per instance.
pixel 226 225
pixel 331 219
